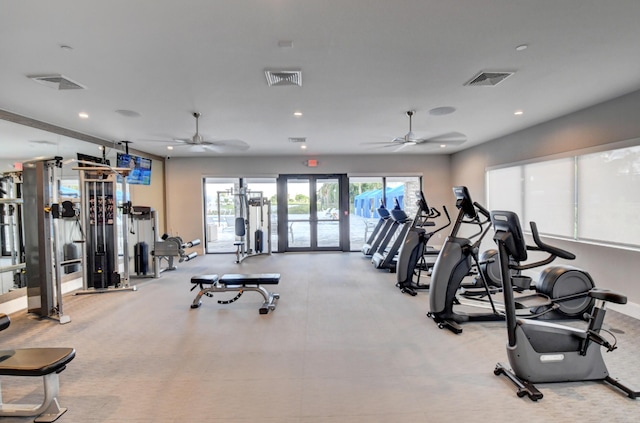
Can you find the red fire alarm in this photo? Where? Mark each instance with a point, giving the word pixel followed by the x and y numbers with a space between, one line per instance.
pixel 312 163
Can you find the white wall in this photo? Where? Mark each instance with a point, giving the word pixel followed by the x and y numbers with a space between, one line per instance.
pixel 609 122
pixel 184 179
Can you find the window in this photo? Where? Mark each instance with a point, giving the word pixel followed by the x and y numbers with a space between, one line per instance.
pixel 608 196
pixel 365 196
pixel 590 197
pixel 222 206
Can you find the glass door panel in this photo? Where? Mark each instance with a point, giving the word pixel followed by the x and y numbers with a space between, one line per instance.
pixel 220 214
pixel 365 195
pixel 267 188
pixel 314 220
pixel 327 212
pixel 298 213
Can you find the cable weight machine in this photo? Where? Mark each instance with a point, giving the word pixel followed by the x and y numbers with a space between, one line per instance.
pixel 104 227
pixel 12 235
pixel 43 258
pixel 247 222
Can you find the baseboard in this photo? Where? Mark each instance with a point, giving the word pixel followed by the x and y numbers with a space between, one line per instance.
pixel 628 309
pixel 19 304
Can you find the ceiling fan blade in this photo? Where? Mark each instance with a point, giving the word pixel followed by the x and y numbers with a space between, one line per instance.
pixel 380 144
pixel 403 146
pixel 200 148
pixel 228 145
pixel 449 138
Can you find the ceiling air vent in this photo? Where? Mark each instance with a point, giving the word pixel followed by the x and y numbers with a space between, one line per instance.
pixel 58 82
pixel 488 79
pixel 277 77
pixel 298 140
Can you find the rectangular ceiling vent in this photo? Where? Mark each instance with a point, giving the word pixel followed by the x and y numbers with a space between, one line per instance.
pixel 298 140
pixel 488 79
pixel 281 77
pixel 58 82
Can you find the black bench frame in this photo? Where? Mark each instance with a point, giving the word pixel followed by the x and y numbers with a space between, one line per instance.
pixel 237 283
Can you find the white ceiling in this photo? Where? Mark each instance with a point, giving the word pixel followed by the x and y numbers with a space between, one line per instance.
pixel 364 64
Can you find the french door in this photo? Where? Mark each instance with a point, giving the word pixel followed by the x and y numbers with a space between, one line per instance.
pixel 313 213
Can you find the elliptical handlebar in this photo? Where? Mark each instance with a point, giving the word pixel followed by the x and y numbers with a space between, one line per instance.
pixel 558 252
pixel 438 214
pixel 446 213
pixel 434 213
pixel 482 210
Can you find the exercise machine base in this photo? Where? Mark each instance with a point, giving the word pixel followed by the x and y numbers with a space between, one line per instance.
pixel 530 390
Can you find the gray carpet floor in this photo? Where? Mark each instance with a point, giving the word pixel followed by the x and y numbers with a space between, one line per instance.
pixel 344 345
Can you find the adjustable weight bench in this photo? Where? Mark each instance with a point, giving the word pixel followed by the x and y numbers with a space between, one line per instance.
pixel 45 362
pixel 237 283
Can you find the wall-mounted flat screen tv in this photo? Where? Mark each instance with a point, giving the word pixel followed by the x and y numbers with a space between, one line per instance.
pixel 86 160
pixel 140 168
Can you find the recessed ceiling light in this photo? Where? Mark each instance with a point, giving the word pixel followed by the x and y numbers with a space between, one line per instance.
pixel 441 111
pixel 518 113
pixel 83 115
pixel 297 114
pixel 443 145
pixel 522 47
pixel 304 147
pixel 169 147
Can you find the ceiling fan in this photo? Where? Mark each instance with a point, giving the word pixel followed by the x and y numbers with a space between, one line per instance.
pixel 220 146
pixel 409 139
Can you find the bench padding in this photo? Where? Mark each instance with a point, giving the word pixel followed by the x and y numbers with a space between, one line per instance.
pixel 251 279
pixel 34 361
pixel 238 279
pixel 205 279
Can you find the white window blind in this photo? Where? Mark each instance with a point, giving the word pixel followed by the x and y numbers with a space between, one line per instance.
pixel 590 197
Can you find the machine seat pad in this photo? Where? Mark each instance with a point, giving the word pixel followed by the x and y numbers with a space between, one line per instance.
pixel 250 279
pixel 34 361
pixel 205 279
pixel 606 295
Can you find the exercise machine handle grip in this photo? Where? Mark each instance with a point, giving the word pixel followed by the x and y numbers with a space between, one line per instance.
pixel 446 213
pixel 434 213
pixel 558 252
pixel 482 210
pixel 191 243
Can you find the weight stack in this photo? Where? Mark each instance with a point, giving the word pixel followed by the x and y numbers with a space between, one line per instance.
pixel 141 258
pixel 259 236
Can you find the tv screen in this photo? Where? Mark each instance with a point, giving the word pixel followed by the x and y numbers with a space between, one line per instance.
pixel 140 168
pixel 87 158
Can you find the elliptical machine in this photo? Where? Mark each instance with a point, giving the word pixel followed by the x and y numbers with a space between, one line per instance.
pixel 412 258
pixel 543 352
pixel 455 262
pixel 561 292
